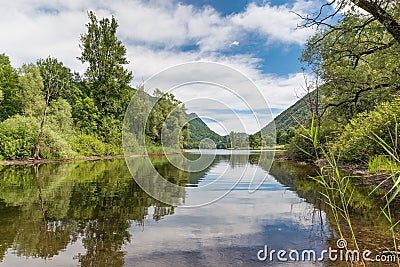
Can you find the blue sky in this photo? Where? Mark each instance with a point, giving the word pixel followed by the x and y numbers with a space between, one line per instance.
pixel 257 38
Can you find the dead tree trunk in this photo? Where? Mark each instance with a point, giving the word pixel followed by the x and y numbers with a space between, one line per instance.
pixel 40 137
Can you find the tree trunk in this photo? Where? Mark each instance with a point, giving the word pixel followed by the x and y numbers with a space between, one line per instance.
pixel 387 20
pixel 40 137
pixel 37 176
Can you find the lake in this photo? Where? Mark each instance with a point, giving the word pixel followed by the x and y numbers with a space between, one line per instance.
pixel 94 213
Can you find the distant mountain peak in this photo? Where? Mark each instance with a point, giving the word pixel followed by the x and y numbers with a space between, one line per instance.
pixel 194 116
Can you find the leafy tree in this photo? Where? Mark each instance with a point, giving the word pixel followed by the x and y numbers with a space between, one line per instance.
pixel 385 12
pixel 106 73
pixel 255 140
pixel 56 79
pixel 166 111
pixel 86 115
pixel 139 107
pixel 238 140
pixel 30 96
pixel 60 117
pixel 8 89
pixel 358 73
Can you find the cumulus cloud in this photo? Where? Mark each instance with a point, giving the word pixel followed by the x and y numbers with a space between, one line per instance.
pixel 276 23
pixel 158 34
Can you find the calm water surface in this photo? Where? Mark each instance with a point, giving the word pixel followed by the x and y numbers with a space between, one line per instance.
pixel 94 214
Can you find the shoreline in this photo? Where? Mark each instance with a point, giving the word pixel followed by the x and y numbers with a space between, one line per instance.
pixel 20 162
pixel 357 170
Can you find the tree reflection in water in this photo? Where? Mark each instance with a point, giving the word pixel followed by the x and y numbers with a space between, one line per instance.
pixel 44 209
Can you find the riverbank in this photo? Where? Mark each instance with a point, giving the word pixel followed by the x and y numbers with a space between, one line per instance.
pixel 44 161
pixel 357 170
pixel 360 171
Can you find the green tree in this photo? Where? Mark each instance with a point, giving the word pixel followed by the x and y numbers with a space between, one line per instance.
pixel 384 12
pixel 358 73
pixel 8 89
pixel 30 95
pixel 255 140
pixel 106 73
pixel 60 117
pixel 56 80
pixel 170 112
pixel 139 107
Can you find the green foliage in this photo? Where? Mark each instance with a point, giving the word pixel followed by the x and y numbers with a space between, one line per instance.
pixel 357 142
pixel 60 118
pixel 86 115
pixel 288 120
pixel 88 145
pixel 283 137
pixel 167 118
pixel 198 131
pixel 106 74
pixel 237 140
pixel 359 63
pixel 255 141
pixel 57 79
pixel 55 146
pixel 31 95
pixel 300 146
pixel 111 133
pixel 9 87
pixel 382 163
pixel 306 142
pixel 18 136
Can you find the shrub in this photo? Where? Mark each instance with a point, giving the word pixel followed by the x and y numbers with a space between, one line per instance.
pixel 88 145
pixel 358 139
pixel 300 147
pixel 18 137
pixel 309 143
pixel 54 146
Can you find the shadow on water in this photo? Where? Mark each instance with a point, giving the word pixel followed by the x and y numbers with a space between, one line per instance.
pixel 48 209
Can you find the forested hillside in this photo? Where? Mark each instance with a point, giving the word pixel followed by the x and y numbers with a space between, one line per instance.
pixel 299 113
pixel 200 131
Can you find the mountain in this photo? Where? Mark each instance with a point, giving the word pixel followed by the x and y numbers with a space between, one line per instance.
pixel 299 112
pixel 290 118
pixel 199 131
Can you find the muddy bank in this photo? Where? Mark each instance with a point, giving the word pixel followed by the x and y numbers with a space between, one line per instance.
pixel 44 161
pixel 360 171
pixel 357 170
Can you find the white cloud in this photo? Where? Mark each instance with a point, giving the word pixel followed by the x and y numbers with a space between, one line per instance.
pixel 234 43
pixel 276 23
pixel 154 33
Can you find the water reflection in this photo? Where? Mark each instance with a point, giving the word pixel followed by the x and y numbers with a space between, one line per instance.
pixel 94 214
